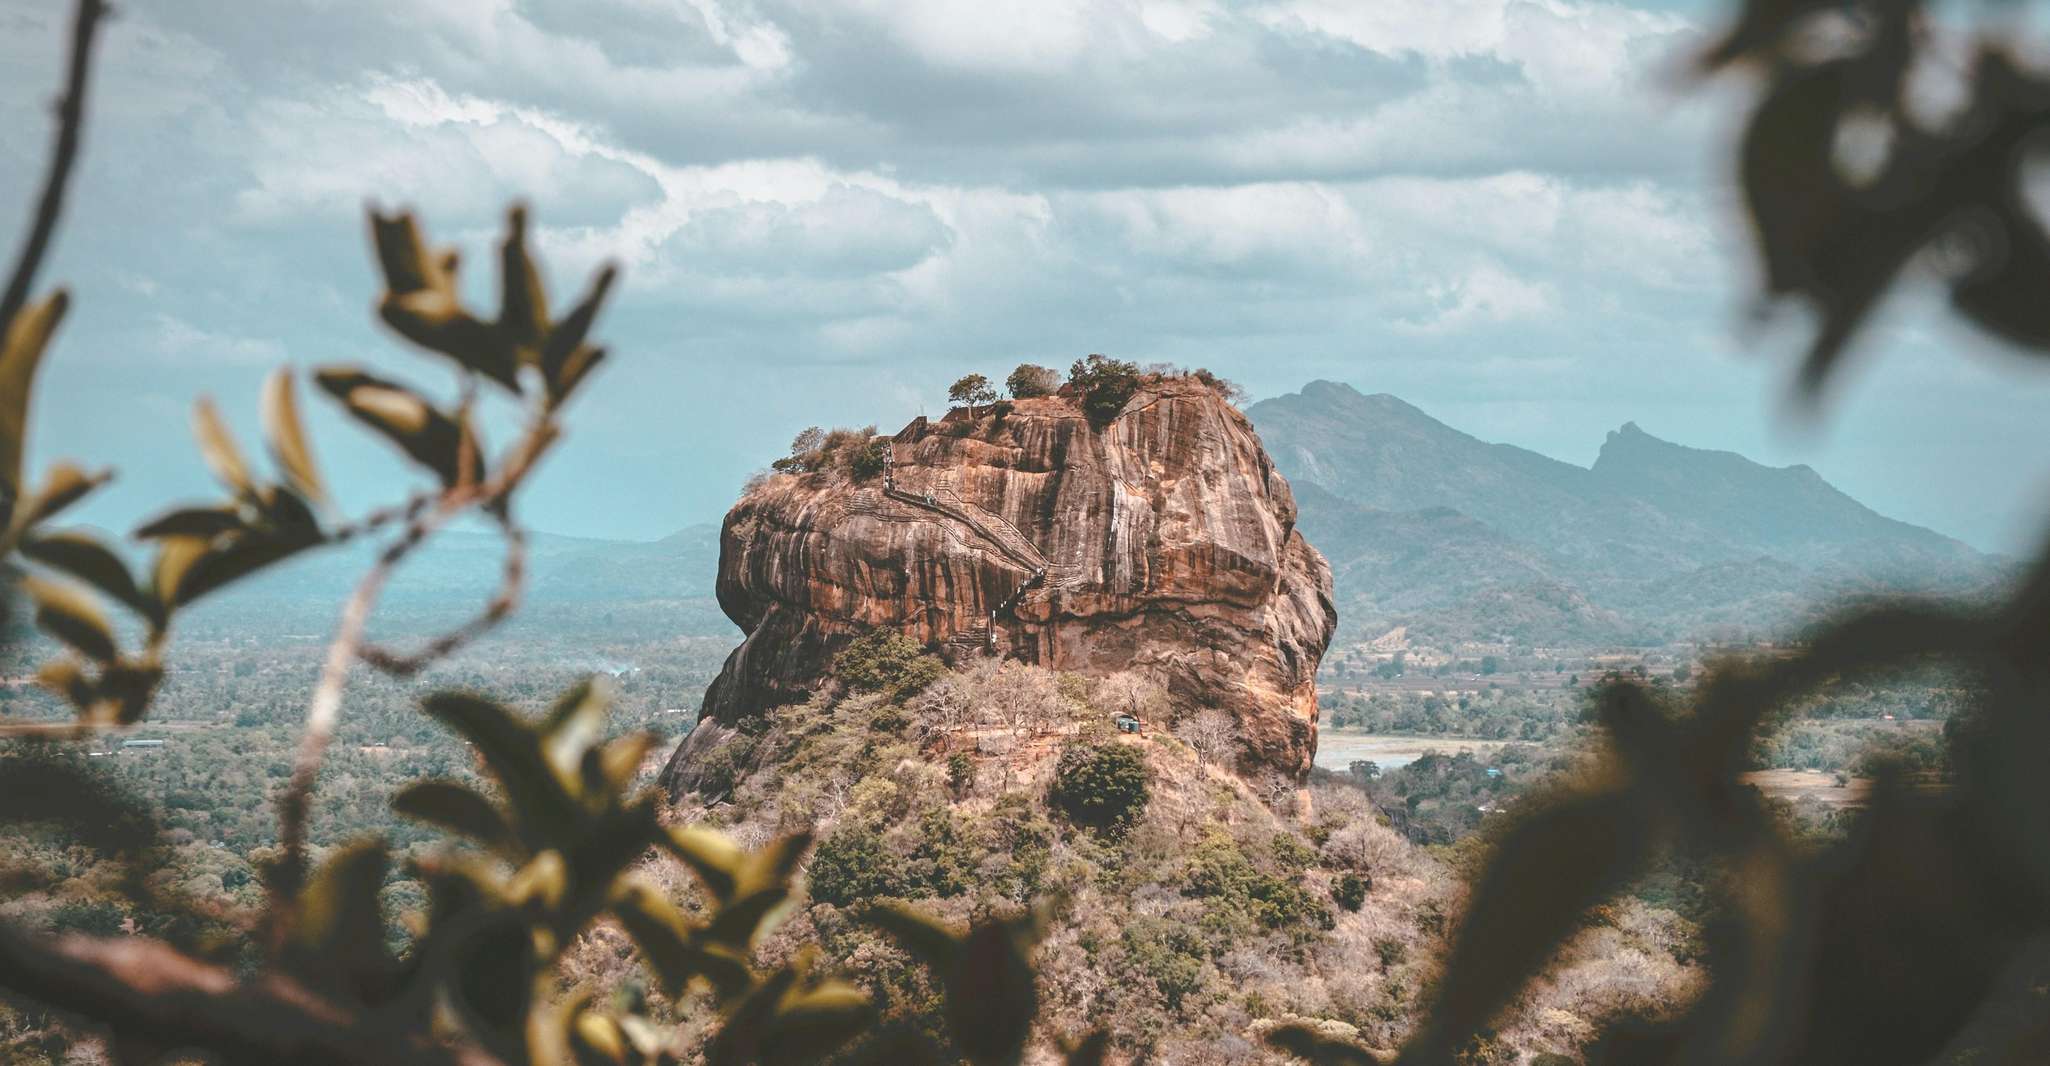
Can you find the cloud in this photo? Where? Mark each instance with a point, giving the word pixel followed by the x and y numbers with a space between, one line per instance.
pixel 409 142
pixel 849 231
pixel 824 207
pixel 1485 294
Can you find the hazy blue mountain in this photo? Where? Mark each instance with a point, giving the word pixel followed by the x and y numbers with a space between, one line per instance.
pixel 1430 526
pixel 1788 512
pixel 1424 525
pixel 662 587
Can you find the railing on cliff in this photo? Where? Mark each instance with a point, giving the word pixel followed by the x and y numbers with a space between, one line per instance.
pixel 1008 539
pixel 990 527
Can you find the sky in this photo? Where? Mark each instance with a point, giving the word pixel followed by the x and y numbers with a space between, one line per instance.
pixel 1512 213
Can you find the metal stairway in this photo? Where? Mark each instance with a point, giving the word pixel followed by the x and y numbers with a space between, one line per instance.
pixel 1009 541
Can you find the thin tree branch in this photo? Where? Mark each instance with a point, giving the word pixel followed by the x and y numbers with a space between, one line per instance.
pixel 70 121
pixel 512 580
pixel 325 707
pixel 349 646
pixel 144 989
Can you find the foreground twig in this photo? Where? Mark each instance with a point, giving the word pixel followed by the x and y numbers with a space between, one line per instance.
pixel 324 709
pixel 503 603
pixel 349 645
pixel 70 121
pixel 144 989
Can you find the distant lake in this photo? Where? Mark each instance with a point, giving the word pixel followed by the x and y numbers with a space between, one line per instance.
pixel 1338 749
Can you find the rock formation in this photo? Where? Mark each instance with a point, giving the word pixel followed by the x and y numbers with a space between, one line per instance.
pixel 1162 541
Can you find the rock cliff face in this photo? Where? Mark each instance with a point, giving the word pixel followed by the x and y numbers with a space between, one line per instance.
pixel 1163 542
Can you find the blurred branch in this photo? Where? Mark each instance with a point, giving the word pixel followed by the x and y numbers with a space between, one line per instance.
pixel 70 120
pixel 349 646
pixel 501 606
pixel 325 707
pixel 147 991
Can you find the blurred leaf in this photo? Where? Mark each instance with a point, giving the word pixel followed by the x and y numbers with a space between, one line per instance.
pixel 811 1024
pixel 222 562
pixel 176 556
pixel 742 922
pixel 458 809
pixel 496 973
pixel 62 486
pixel 523 306
pixel 991 995
pixel 987 974
pixel 565 357
pixel 285 434
pixel 218 448
pixel 66 678
pixel 593 1038
pixel 126 688
pixel 1094 1050
pixel 423 304
pixel 402 254
pixel 574 724
pixel 338 935
pixel 192 522
pixel 542 884
pixel 71 616
pixel 21 352
pixel 1553 864
pixel 430 437
pixel 512 754
pixel 751 1025
pixel 927 939
pixel 716 860
pixel 573 369
pixel 643 1036
pixel 773 864
pixel 41 785
pixel 611 768
pixel 609 838
pixel 435 320
pixel 286 513
pixel 87 559
pixel 672 948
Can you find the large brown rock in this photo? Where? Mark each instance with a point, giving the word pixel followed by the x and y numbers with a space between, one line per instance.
pixel 1167 538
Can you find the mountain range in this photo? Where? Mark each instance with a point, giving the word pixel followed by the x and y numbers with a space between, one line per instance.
pixel 1461 539
pixel 1424 526
pixel 575 585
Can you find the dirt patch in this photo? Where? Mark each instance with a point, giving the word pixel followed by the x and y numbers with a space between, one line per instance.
pixel 1796 785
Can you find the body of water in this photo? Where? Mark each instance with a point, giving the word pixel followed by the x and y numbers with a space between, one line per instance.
pixel 1338 749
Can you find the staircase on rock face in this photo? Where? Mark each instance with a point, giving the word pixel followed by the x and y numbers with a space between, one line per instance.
pixel 1009 541
pixel 976 638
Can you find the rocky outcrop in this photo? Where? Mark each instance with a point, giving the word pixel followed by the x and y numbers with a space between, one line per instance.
pixel 1162 541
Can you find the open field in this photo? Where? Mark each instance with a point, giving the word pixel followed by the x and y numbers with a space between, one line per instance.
pixel 1795 785
pixel 1338 749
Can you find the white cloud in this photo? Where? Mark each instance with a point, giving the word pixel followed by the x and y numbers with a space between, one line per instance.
pixel 409 142
pixel 1558 44
pixel 1486 295
pixel 1490 198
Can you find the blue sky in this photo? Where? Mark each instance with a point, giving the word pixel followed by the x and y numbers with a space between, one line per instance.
pixel 1504 211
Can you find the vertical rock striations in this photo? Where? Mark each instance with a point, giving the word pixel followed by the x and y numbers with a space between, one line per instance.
pixel 1163 541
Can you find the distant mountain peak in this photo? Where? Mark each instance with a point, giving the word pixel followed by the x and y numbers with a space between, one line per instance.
pixel 1323 389
pixel 1655 530
pixel 1337 397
